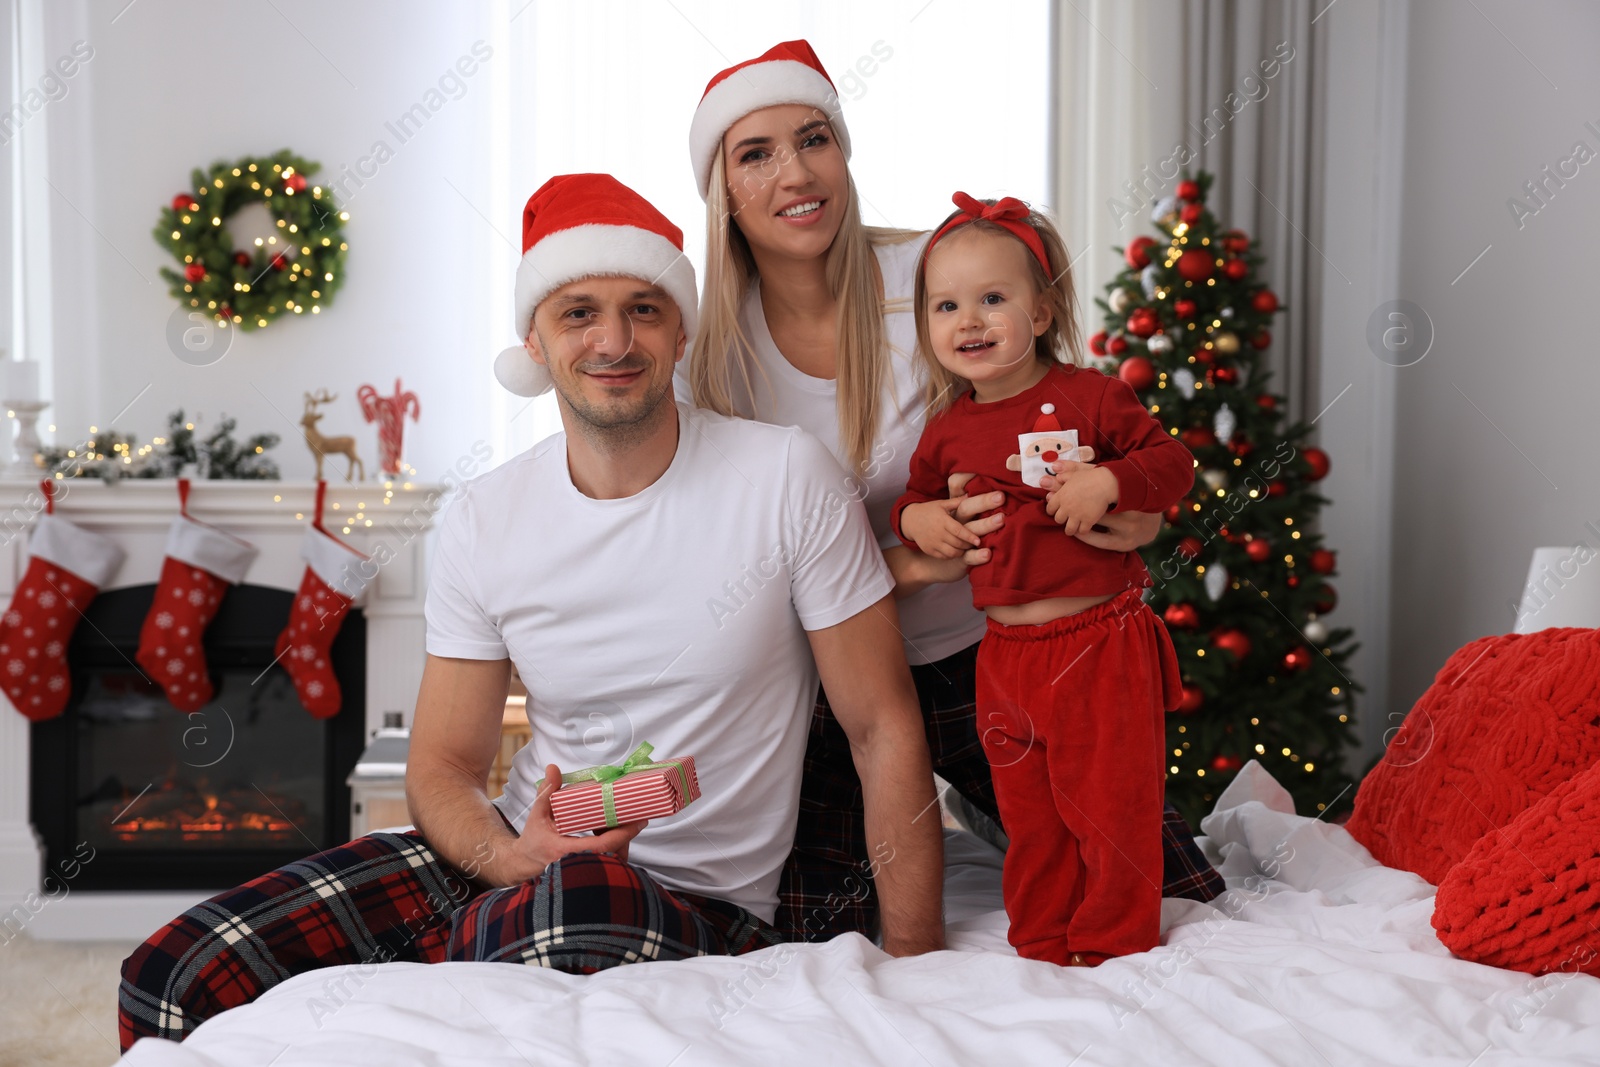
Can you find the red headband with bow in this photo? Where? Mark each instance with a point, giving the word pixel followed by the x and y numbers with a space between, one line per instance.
pixel 1008 213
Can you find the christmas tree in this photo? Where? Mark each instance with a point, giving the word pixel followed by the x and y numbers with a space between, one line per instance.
pixel 1240 575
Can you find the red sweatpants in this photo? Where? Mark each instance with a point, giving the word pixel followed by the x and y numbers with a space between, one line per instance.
pixel 1071 713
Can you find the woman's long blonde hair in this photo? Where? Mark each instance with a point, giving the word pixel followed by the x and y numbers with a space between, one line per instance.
pixel 722 355
pixel 1058 344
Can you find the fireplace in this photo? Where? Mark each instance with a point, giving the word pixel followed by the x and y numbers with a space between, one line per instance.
pixel 171 801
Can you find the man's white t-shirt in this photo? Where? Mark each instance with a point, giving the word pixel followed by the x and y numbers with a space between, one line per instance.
pixel 676 616
pixel 939 620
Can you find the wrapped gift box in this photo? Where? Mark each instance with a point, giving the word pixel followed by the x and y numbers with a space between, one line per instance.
pixel 601 797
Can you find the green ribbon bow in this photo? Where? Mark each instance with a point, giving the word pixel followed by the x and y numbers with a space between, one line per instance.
pixel 608 773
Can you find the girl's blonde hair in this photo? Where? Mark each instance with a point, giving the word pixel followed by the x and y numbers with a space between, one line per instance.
pixel 722 354
pixel 1058 344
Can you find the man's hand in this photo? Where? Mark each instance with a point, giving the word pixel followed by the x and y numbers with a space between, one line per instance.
pixel 541 844
pixel 863 669
pixel 1083 495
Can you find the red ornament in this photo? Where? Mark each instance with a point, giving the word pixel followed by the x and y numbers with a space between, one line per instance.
pixel 1142 322
pixel 1097 343
pixel 1261 340
pixel 1195 265
pixel 227 312
pixel 1198 437
pixel 1174 513
pixel 1182 616
pixel 1317 459
pixel 1226 375
pixel 1117 345
pixel 1138 372
pixel 1235 242
pixel 1241 446
pixel 1190 547
pixel 297 182
pixel 1276 487
pixel 1190 214
pixel 1293 581
pixel 1297 659
pixel 1236 269
pixel 1204 357
pixel 1267 402
pixel 1327 599
pixel 1138 252
pixel 242 258
pixel 1233 641
pixel 1324 561
pixel 1193 699
pixel 280 262
pixel 1265 301
pixel 1188 189
pixel 1259 550
pixel 194 272
pixel 184 202
pixel 1185 309
pixel 1226 764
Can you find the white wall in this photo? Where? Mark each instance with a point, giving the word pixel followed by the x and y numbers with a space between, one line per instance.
pixel 1495 451
pixel 176 84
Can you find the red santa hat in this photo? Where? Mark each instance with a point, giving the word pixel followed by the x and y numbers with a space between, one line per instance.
pixel 586 226
pixel 787 73
pixel 1047 421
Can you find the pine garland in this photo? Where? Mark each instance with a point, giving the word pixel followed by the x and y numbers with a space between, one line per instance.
pixel 111 456
pixel 297 271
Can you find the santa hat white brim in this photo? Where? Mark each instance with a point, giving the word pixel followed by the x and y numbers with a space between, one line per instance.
pixel 591 251
pixel 781 81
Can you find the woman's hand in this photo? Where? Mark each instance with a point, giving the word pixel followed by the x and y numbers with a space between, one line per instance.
pixel 1115 531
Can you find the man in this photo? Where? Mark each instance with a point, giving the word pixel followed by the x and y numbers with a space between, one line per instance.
pixel 679 577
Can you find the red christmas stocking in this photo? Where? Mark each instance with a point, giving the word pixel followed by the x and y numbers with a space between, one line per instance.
pixel 202 561
pixel 66 568
pixel 334 577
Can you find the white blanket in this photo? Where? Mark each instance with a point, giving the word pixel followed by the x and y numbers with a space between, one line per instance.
pixel 1316 955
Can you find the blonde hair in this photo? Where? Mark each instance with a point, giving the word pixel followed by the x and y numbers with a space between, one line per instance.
pixel 1058 344
pixel 722 351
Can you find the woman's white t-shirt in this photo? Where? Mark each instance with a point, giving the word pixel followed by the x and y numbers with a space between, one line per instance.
pixel 676 616
pixel 940 620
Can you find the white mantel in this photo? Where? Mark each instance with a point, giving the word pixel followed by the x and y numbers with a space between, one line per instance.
pixel 393 521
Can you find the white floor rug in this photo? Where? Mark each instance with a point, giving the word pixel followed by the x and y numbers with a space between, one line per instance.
pixel 58 1002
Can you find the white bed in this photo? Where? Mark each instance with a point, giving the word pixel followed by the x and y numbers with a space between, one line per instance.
pixel 1331 961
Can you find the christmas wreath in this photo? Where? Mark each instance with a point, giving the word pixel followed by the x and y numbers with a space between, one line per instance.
pixel 295 271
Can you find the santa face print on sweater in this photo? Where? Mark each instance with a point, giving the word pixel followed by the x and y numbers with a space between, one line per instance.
pixel 1045 444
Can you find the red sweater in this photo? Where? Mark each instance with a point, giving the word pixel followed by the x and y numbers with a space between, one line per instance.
pixel 1007 440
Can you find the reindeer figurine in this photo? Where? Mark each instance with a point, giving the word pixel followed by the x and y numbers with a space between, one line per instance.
pixel 322 446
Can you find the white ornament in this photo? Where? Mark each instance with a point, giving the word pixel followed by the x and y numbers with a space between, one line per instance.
pixel 1119 300
pixel 1315 631
pixel 1224 423
pixel 1167 205
pixel 1159 344
pixel 1183 378
pixel 1215 479
pixel 1216 581
pixel 1148 281
pixel 1226 313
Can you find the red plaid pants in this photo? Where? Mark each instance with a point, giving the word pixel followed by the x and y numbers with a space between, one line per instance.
pixel 388 897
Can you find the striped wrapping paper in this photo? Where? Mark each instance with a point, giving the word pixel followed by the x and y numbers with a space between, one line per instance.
pixel 645 794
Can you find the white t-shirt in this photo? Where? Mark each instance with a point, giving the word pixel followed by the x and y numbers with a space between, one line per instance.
pixel 940 620
pixel 676 616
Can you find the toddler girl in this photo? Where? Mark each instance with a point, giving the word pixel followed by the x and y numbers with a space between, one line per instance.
pixel 1075 672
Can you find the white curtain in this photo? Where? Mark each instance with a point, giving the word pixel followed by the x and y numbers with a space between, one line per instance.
pixel 1233 87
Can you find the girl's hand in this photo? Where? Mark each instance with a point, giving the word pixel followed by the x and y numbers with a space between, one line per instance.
pixel 1082 498
pixel 935 529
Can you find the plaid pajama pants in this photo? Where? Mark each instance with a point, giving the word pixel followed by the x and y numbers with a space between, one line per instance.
pixel 826 889
pixel 387 897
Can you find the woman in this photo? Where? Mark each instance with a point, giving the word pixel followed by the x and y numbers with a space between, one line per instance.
pixel 805 320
